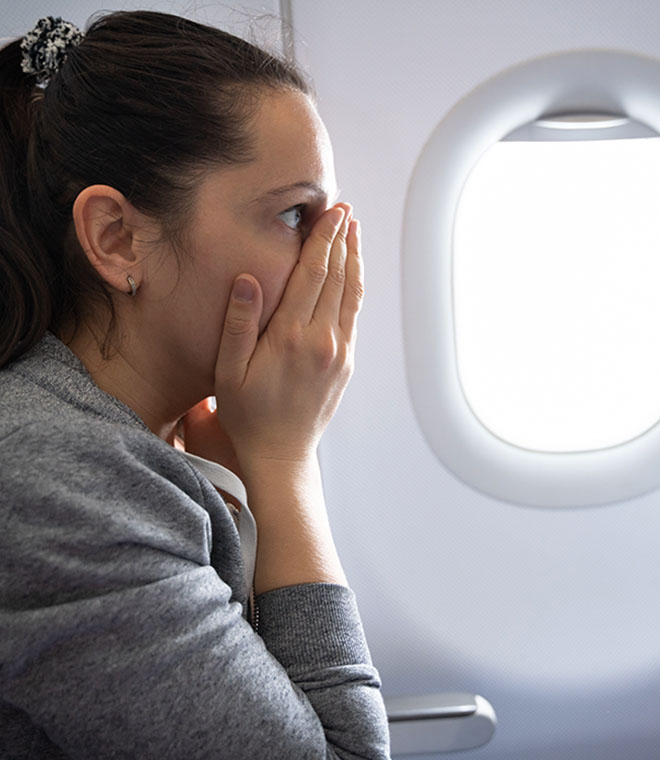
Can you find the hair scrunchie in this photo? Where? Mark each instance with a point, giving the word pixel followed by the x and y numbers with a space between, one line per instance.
pixel 46 47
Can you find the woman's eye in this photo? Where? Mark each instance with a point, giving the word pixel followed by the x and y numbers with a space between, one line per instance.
pixel 293 216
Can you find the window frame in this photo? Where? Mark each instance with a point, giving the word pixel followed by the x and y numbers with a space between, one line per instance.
pixel 600 81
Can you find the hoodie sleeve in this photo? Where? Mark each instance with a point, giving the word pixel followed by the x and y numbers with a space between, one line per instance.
pixel 120 639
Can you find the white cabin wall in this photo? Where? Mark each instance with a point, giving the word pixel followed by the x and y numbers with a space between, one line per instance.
pixel 551 615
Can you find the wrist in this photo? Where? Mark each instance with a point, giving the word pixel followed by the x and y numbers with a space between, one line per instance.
pixel 254 459
pixel 271 478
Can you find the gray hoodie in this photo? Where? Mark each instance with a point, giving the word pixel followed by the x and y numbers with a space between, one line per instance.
pixel 124 627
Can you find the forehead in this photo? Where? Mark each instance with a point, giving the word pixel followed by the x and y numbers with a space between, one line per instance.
pixel 290 146
pixel 287 124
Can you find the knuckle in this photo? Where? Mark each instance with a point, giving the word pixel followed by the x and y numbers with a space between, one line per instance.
pixel 347 356
pixel 326 234
pixel 326 349
pixel 237 326
pixel 318 271
pixel 357 290
pixel 341 237
pixel 293 338
pixel 338 274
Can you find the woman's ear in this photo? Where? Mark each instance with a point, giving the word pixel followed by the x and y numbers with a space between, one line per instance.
pixel 105 224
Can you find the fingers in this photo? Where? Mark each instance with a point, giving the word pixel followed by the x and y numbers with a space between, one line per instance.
pixel 354 288
pixel 309 276
pixel 327 283
pixel 240 332
pixel 330 298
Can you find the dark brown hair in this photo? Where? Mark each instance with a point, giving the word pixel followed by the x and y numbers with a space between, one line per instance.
pixel 144 104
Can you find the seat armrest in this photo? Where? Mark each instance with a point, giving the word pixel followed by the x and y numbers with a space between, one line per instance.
pixel 438 722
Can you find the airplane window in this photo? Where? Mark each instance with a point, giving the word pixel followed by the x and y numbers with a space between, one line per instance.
pixel 530 265
pixel 556 270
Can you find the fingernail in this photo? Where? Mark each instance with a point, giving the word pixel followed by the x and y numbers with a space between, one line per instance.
pixel 243 289
pixel 336 215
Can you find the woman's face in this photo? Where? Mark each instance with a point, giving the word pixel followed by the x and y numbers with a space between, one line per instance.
pixel 249 218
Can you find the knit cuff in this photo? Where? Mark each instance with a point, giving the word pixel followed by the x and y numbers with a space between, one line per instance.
pixel 313 625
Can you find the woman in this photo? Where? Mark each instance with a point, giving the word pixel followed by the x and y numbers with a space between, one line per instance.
pixel 168 235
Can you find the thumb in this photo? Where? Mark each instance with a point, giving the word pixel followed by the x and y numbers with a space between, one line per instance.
pixel 240 332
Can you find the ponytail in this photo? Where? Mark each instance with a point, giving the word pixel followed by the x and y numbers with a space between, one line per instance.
pixel 144 102
pixel 25 304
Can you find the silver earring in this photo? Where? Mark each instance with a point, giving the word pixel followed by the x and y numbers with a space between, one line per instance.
pixel 131 282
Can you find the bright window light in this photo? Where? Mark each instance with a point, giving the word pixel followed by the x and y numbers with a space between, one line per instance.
pixel 556 283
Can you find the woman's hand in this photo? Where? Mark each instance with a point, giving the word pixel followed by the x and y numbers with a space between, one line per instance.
pixel 278 391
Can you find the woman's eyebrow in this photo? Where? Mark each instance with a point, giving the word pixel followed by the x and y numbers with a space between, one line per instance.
pixel 318 192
